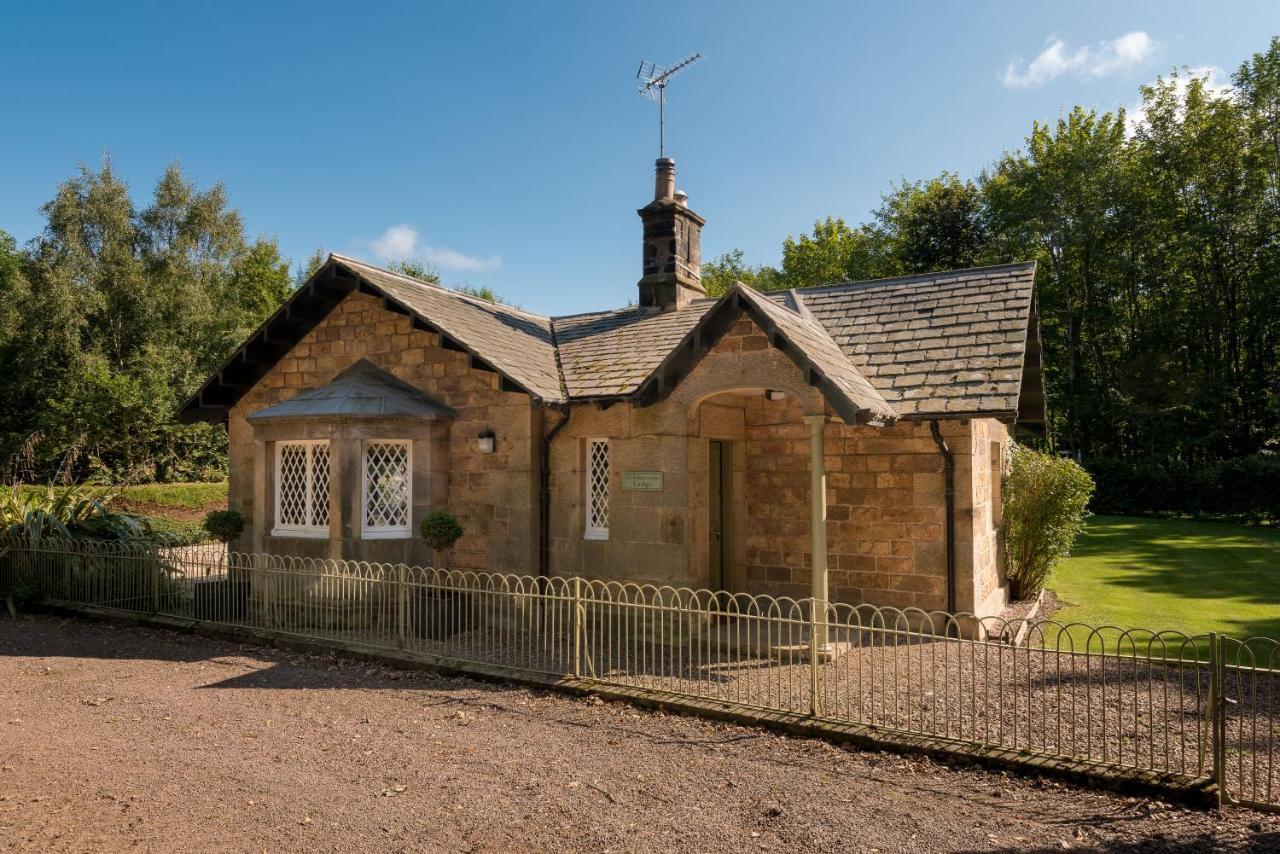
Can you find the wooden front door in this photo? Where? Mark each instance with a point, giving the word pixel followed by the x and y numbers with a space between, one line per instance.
pixel 719 508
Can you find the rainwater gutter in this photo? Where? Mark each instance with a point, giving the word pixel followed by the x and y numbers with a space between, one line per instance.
pixel 544 495
pixel 949 467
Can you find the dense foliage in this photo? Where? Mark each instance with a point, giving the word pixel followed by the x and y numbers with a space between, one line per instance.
pixel 1045 504
pixel 1158 242
pixel 117 313
pixel 440 529
pixel 224 525
pixel 74 512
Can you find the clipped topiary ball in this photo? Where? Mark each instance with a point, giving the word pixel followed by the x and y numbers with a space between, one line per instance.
pixel 224 525
pixel 440 529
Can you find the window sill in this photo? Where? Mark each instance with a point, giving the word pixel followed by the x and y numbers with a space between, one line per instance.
pixel 596 535
pixel 385 535
pixel 300 535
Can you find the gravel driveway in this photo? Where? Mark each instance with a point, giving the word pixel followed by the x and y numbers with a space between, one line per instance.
pixel 123 738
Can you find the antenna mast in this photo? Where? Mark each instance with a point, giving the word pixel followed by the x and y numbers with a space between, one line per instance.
pixel 653 85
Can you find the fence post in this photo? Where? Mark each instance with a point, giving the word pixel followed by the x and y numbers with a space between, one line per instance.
pixel 815 652
pixel 402 607
pixel 1217 722
pixel 577 626
pixel 157 578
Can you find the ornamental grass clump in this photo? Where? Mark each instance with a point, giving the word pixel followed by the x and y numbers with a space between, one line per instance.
pixel 69 512
pixel 1046 500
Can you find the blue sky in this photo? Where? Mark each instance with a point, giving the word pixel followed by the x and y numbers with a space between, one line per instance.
pixel 507 143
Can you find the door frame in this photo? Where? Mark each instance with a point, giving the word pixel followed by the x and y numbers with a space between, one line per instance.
pixel 720 507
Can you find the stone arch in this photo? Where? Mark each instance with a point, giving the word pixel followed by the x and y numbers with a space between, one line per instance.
pixel 746 370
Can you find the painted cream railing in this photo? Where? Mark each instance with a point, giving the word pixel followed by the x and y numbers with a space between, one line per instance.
pixel 1179 707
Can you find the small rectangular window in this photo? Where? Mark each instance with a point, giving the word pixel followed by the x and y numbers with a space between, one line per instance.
pixel 302 489
pixel 597 492
pixel 387 488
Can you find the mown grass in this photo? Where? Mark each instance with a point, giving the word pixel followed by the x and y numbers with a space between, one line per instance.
pixel 1173 574
pixel 175 509
pixel 190 496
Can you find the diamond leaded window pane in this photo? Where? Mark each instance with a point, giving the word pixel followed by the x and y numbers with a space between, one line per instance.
pixel 293 486
pixel 598 488
pixel 320 485
pixel 302 486
pixel 386 486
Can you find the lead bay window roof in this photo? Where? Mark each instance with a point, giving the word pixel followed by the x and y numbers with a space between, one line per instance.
pixel 362 390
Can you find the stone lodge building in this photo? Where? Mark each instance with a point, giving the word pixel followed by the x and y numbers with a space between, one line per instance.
pixel 843 441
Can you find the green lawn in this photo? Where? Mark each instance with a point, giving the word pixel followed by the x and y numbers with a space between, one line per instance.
pixel 171 508
pixel 191 496
pixel 1173 574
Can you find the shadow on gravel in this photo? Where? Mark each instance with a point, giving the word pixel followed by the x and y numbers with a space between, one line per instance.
pixel 41 636
pixel 1261 843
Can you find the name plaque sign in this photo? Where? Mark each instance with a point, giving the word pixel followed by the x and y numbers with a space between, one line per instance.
pixel 644 480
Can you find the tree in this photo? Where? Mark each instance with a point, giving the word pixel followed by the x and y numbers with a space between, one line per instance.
pixel 259 283
pixel 121 313
pixel 938 224
pixel 834 252
pixel 719 274
pixel 423 271
pixel 308 267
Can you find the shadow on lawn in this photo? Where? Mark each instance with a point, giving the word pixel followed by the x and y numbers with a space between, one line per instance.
pixel 1194 560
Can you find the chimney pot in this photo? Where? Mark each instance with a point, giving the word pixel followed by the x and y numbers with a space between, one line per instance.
pixel 665 185
pixel 682 198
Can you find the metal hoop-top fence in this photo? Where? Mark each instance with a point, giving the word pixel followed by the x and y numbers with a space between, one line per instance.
pixel 1181 708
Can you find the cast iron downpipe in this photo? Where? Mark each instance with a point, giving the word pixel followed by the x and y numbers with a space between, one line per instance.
pixel 544 498
pixel 949 467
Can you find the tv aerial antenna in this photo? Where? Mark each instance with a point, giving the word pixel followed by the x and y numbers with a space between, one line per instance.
pixel 653 85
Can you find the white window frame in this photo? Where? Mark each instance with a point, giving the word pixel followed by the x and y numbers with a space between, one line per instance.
pixel 310 528
pixel 591 530
pixel 386 532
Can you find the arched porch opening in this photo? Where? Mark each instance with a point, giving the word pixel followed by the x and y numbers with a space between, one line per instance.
pixel 758 491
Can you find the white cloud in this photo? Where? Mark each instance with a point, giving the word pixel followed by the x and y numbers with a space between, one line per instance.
pixel 1108 57
pixel 1213 77
pixel 401 242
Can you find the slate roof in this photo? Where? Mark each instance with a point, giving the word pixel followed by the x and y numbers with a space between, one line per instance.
pixel 940 343
pixel 916 346
pixel 609 353
pixel 516 342
pixel 807 334
pixel 363 390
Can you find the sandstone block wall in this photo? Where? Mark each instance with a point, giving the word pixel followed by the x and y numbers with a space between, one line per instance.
pixel 886 501
pixel 493 495
pixel 885 490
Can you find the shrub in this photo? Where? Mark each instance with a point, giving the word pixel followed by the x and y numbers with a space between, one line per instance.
pixel 224 525
pixel 1045 505
pixel 440 529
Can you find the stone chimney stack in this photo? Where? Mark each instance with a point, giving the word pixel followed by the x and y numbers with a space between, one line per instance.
pixel 672 246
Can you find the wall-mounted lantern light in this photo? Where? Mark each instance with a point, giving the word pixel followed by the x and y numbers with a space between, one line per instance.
pixel 486 441
pixel 774 394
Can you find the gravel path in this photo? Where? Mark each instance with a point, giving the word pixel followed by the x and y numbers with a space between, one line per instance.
pixel 117 738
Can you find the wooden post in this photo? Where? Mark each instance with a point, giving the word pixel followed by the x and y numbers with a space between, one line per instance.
pixel 818 523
